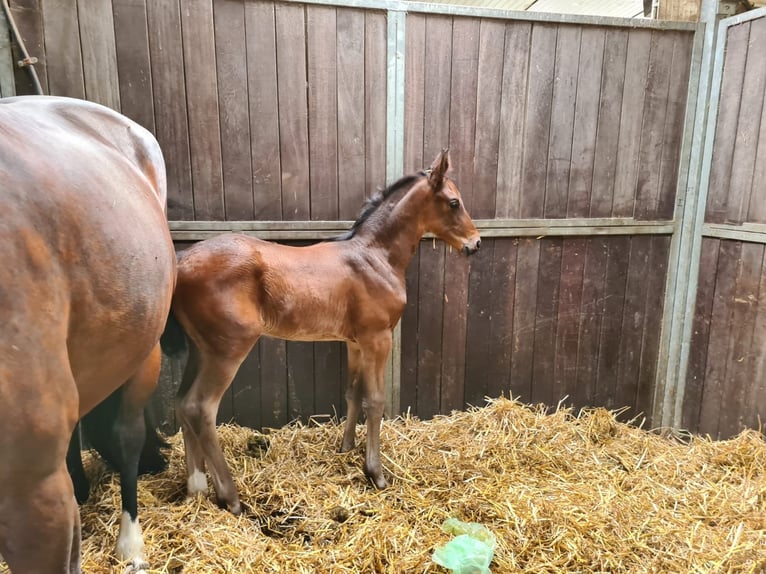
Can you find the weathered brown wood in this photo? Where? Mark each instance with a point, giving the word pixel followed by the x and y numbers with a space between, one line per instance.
pixel 264 110
pixel 525 303
pixel 628 143
pixel 503 277
pixel 171 118
pixel 755 397
pixel 329 383
pixel 488 98
pixel 414 95
pixel 29 20
pixel 273 359
pixel 230 45
pixel 99 54
pixel 512 114
pixel 757 207
pixel 726 125
pixel 748 127
pixel 322 66
pixel 438 65
pixel 246 392
pixel 652 130
pixel 688 10
pixel 462 137
pixel 739 357
pixel 609 110
pixel 62 41
pixel 585 125
pixel 300 380
pixel 430 329
pixel 410 322
pixel 202 107
pixel 570 310
pixel 293 116
pixel 375 82
pixel 131 36
pixel 351 90
pixel 546 320
pixel 674 124
pixel 478 328
pixel 562 121
pixel 720 334
pixel 701 331
pixel 538 119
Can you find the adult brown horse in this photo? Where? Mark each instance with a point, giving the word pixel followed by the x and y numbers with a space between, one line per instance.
pixel 232 289
pixel 85 288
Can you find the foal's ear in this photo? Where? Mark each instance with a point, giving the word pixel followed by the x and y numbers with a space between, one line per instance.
pixel 438 169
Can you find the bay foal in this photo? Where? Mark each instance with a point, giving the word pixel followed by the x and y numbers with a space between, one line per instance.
pixel 232 289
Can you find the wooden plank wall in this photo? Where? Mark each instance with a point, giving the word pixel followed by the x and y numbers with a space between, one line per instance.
pixel 726 383
pixel 543 121
pixel 256 106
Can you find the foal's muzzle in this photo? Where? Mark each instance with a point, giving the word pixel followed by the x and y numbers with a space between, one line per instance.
pixel 471 247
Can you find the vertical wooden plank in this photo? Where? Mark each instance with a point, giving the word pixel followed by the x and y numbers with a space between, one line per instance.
pixel 264 110
pixel 323 111
pixel 430 328
pixel 633 323
pixel 733 408
pixel 726 124
pixel 329 386
pixel 503 277
pixel 756 393
pixel 300 380
pixel 524 304
pixel 674 125
pixel 131 35
pixel 650 342
pixel 273 359
pixel 246 392
pixel 700 340
pixel 538 119
pixel 653 125
pixel 202 102
pixel 546 319
pixel 231 62
pixel 169 90
pixel 375 75
pixel 462 133
pixel 748 125
pixel 351 89
pixel 478 328
pixel 414 95
pixel 720 334
pixel 293 120
pixel 62 41
pixel 585 126
pixel 609 110
pixel 410 337
pixel 29 20
pixel 562 122
pixel 757 207
pixel 570 310
pixel 438 65
pixel 611 321
pixel 488 98
pixel 589 332
pixel 99 53
pixel 629 141
pixel 512 113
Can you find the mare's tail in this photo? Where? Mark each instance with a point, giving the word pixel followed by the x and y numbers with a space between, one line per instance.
pixel 173 338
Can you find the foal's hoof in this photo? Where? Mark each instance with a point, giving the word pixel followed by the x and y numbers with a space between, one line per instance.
pixel 234 507
pixel 376 478
pixel 136 566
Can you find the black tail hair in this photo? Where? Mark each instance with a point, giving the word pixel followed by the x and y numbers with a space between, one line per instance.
pixel 173 339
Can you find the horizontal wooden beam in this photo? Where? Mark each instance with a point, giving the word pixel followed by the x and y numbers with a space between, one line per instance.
pixel 317 230
pixel 750 232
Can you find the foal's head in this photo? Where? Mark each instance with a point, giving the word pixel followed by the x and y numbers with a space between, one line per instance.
pixel 446 216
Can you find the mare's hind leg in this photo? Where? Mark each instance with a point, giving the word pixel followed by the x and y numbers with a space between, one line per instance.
pixel 375 351
pixel 131 433
pixel 353 396
pixel 197 411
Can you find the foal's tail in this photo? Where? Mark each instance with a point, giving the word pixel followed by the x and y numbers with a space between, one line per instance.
pixel 173 338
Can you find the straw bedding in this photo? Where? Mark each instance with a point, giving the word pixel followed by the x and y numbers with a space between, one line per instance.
pixel 562 493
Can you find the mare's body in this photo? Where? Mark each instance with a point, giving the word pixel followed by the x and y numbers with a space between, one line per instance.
pixel 233 288
pixel 85 287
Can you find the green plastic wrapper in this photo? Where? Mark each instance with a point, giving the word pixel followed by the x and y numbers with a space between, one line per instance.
pixel 470 552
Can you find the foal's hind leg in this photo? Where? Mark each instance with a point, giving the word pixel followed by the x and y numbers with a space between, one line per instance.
pixel 131 433
pixel 353 396
pixel 198 408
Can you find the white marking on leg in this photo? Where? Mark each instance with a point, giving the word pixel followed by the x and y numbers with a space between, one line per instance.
pixel 130 543
pixel 197 482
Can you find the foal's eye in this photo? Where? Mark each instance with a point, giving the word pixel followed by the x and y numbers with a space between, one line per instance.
pixel 454 203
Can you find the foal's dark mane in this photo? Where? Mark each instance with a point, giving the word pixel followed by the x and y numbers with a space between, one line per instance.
pixel 372 204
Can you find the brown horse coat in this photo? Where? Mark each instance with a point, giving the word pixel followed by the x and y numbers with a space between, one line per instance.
pixel 86 279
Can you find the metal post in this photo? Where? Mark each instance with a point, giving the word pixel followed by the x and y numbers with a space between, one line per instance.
pixel 683 266
pixel 395 170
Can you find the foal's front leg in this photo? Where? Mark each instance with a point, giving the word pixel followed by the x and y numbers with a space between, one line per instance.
pixel 373 367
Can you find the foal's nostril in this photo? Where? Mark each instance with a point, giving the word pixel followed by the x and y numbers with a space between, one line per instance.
pixel 478 244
